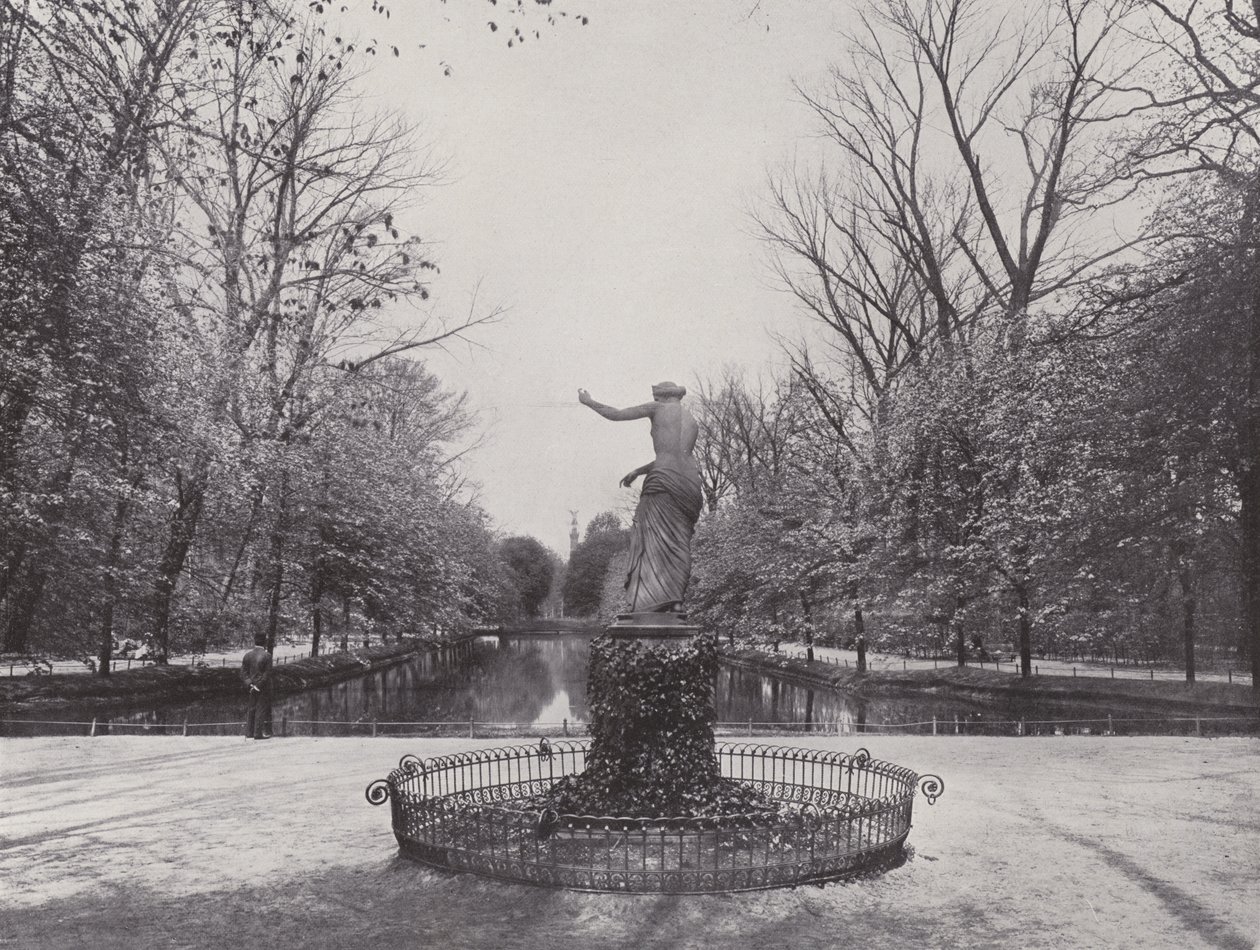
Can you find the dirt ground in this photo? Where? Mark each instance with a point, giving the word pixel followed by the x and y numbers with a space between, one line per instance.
pixel 141 841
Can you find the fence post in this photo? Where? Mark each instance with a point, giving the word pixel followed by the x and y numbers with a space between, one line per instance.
pixel 956 729
pixel 1021 727
pixel 1152 674
pixel 185 727
pixel 92 732
pixel 1111 731
pixel 284 725
pixel 1229 673
pixel 1198 726
pixel 750 727
pixel 373 728
pixel 903 666
pixel 566 725
pixel 470 727
pixel 933 725
pixel 1073 672
pixel 1113 672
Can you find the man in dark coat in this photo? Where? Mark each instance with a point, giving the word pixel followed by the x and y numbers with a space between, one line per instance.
pixel 256 674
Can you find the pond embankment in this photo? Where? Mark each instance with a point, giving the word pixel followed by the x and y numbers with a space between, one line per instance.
pixel 180 683
pixel 971 683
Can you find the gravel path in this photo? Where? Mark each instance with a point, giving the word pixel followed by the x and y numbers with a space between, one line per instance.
pixel 139 842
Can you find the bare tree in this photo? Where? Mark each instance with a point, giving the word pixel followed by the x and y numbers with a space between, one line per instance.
pixel 968 187
pixel 292 250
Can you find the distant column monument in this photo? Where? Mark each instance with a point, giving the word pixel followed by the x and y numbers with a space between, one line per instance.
pixel 669 506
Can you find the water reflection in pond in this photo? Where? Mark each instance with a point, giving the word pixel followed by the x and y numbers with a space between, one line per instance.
pixel 529 681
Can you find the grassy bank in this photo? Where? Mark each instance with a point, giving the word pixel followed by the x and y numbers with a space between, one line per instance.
pixel 1140 695
pixel 162 683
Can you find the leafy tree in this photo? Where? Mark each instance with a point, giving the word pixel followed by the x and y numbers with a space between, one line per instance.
pixel 530 567
pixel 589 564
pixel 1200 95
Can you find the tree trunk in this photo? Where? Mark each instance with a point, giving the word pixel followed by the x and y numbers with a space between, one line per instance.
pixel 25 603
pixel 22 617
pixel 183 529
pixel 317 610
pixel 21 399
pixel 960 640
pixel 277 562
pixel 859 628
pixel 345 624
pixel 105 650
pixel 1024 624
pixel 1249 491
pixel 1188 606
pixel 11 568
pixel 1181 551
pixel 808 614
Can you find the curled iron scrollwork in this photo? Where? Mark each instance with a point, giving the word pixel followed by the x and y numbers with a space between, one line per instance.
pixel 378 792
pixel 931 787
pixel 548 818
pixel 411 764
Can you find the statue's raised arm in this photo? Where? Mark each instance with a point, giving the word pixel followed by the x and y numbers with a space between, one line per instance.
pixel 669 504
pixel 644 411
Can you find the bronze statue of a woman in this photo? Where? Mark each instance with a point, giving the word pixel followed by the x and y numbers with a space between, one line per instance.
pixel 669 503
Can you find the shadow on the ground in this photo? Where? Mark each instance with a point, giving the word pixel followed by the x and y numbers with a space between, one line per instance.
pixel 400 904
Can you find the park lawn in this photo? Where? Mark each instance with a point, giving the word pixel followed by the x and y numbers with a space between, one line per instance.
pixel 140 842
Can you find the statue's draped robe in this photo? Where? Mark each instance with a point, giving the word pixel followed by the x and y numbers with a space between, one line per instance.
pixel 660 539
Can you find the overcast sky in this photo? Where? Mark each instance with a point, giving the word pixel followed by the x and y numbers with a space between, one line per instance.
pixel 599 181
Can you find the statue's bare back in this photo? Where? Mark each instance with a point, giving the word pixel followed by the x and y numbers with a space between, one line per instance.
pixel 674 434
pixel 674 429
pixel 669 505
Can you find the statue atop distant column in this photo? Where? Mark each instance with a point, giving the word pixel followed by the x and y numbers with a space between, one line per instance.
pixel 669 504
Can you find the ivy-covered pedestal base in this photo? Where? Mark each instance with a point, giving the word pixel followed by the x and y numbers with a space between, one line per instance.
pixel 652 752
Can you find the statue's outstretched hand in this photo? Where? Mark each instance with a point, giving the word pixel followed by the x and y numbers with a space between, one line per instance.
pixel 628 481
pixel 584 397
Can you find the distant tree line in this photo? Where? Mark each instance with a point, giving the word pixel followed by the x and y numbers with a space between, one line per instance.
pixel 211 424
pixel 586 590
pixel 1030 415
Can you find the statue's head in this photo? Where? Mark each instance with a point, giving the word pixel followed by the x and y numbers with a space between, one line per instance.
pixel 663 391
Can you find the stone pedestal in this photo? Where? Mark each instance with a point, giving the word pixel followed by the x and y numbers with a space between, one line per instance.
pixel 650 693
pixel 653 629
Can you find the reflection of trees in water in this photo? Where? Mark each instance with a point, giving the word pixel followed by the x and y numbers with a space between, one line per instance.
pixel 491 683
pixel 511 686
pixel 519 679
pixel 744 695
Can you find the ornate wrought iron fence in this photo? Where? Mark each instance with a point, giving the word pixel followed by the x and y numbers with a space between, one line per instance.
pixel 834 815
